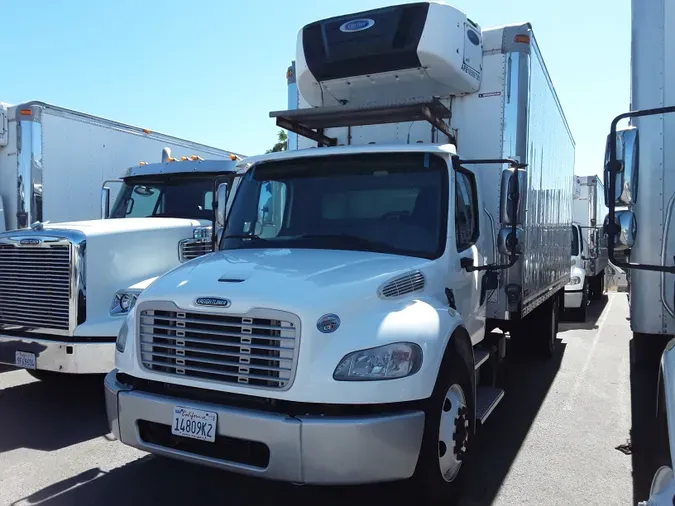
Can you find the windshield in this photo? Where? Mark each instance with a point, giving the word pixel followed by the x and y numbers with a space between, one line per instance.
pixel 575 241
pixel 168 197
pixel 388 203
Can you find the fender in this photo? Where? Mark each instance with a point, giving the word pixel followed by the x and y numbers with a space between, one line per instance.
pixel 666 380
pixel 458 341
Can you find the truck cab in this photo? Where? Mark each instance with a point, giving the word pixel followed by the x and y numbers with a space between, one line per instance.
pixel 576 291
pixel 67 287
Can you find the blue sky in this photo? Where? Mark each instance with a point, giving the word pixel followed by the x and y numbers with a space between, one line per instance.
pixel 211 70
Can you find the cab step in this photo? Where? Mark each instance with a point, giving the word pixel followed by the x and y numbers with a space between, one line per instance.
pixel 487 399
pixel 479 357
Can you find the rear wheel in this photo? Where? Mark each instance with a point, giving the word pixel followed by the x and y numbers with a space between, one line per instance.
pixel 546 328
pixel 450 417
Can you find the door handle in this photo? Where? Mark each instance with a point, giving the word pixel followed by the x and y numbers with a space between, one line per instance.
pixel 466 262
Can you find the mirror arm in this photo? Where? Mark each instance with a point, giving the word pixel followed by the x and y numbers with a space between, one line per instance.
pixel 512 244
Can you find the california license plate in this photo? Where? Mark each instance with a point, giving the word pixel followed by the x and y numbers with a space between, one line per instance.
pixel 194 423
pixel 24 359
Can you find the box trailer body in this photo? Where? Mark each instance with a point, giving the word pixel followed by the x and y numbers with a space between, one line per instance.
pixel 516 114
pixel 53 161
pixel 425 202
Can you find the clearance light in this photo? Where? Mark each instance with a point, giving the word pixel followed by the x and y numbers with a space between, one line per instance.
pixel 523 39
pixel 183 158
pixel 233 157
pixel 25 112
pixel 142 163
pixel 196 157
pixel 146 131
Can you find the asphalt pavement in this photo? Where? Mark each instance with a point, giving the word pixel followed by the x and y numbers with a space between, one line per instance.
pixel 562 436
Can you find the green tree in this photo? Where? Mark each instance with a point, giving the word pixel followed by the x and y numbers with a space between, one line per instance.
pixel 281 143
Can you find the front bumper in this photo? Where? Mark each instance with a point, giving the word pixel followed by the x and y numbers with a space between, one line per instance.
pixel 327 450
pixel 61 356
pixel 573 298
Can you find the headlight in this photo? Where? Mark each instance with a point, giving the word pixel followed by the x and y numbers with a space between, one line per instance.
pixel 121 342
pixel 124 301
pixel 396 360
pixel 575 280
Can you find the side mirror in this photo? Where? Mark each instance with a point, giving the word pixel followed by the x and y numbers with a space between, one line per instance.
pixel 508 187
pixel 505 241
pixel 105 203
pixel 221 203
pixel 626 173
pixel 628 230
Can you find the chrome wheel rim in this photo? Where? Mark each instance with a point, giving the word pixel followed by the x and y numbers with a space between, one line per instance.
pixel 453 433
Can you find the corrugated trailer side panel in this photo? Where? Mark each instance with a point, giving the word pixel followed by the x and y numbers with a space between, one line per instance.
pixel 550 158
pixel 79 152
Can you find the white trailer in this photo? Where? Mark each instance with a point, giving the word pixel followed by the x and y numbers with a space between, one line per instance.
pixel 65 288
pixel 351 314
pixel 54 160
pixel 589 246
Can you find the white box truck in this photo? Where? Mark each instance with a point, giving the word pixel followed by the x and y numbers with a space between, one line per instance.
pixel 53 161
pixel 589 246
pixel 346 331
pixel 65 288
pixel 640 183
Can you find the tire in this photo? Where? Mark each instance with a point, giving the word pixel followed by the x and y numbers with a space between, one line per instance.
pixel 449 417
pixel 596 286
pixel 579 314
pixel 546 325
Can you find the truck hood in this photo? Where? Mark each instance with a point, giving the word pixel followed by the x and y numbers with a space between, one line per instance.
pixel 122 225
pixel 282 279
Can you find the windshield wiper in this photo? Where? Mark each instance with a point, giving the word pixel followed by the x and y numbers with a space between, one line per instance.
pixel 242 236
pixel 350 239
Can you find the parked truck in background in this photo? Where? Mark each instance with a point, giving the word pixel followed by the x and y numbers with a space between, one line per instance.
pixel 65 288
pixel 53 161
pixel 640 195
pixel 589 246
pixel 351 315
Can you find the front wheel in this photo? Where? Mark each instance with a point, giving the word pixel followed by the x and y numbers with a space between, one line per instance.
pixel 449 421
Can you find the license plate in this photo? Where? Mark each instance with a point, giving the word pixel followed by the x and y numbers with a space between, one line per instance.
pixel 24 359
pixel 194 423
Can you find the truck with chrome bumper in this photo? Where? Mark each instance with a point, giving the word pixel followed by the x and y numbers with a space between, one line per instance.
pixel 343 333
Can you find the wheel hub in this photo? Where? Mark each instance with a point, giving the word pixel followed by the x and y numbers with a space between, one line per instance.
pixel 453 435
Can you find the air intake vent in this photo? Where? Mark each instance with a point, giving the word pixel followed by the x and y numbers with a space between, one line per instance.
pixel 403 285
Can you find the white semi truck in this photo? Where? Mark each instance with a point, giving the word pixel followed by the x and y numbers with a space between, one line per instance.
pixel 347 330
pixel 65 288
pixel 640 184
pixel 53 161
pixel 589 246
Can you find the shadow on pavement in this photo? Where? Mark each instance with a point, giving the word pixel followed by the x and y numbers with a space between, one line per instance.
pixel 6 368
pixel 157 481
pixel 52 415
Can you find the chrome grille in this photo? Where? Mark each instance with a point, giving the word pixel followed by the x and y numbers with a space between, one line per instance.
pixel 193 248
pixel 408 283
pixel 35 285
pixel 255 351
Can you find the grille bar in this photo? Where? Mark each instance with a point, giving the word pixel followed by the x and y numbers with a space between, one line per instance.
pixel 35 285
pixel 193 248
pixel 254 351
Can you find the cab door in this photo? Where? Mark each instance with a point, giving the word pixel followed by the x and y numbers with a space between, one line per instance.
pixel 466 283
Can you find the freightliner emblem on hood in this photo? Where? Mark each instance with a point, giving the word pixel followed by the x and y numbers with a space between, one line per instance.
pixel 212 301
